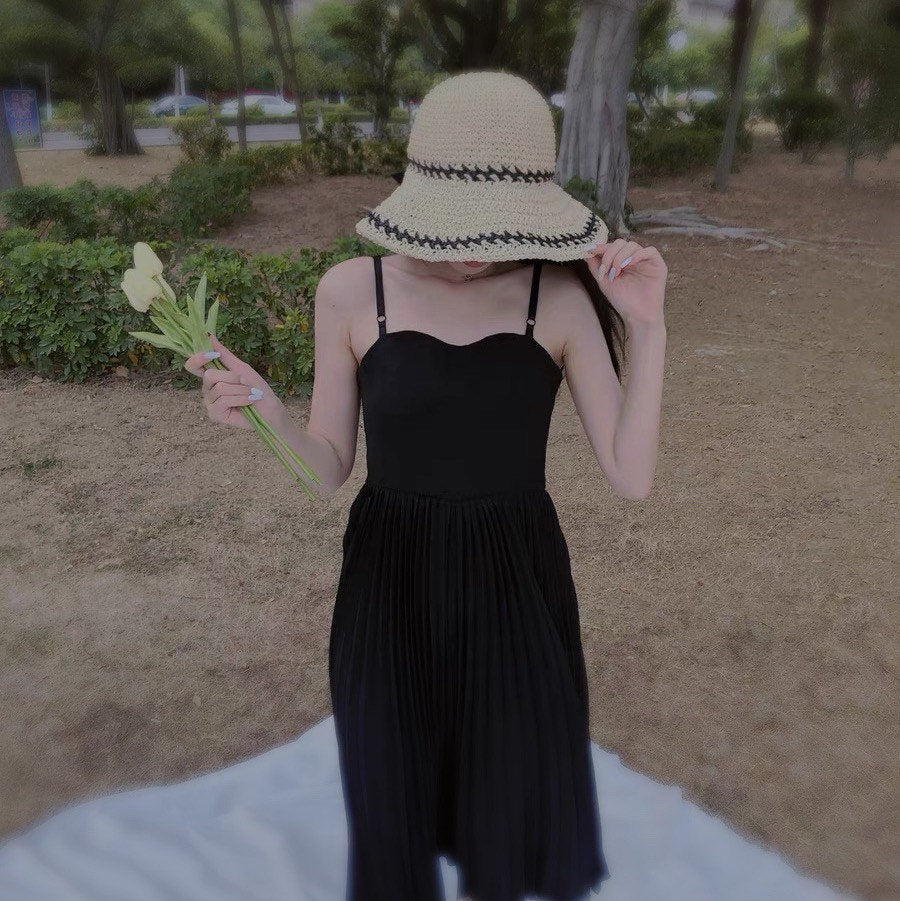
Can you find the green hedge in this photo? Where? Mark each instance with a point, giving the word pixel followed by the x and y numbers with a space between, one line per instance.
pixel 807 120
pixel 672 150
pixel 198 197
pixel 63 315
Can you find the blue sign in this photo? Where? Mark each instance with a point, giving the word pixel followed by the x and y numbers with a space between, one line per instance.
pixel 22 117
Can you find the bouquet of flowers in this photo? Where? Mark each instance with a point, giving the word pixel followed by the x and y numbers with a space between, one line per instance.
pixel 184 327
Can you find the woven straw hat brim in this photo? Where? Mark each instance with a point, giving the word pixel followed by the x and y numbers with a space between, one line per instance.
pixel 445 219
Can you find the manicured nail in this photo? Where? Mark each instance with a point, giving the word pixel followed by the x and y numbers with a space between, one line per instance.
pixel 255 394
pixel 625 262
pixel 591 247
pixel 612 273
pixel 211 354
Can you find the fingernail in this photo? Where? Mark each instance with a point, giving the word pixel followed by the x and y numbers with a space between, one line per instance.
pixel 612 273
pixel 591 247
pixel 625 262
pixel 211 354
pixel 255 394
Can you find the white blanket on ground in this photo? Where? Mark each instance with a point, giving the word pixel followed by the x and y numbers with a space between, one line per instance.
pixel 273 828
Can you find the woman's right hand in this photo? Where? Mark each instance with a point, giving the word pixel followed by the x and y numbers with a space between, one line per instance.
pixel 226 391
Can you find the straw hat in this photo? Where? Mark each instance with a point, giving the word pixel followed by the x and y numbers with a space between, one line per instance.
pixel 478 184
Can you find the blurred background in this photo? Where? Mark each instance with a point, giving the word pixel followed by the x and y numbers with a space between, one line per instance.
pixel 166 592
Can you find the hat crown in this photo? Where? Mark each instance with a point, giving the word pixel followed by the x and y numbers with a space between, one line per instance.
pixel 483 120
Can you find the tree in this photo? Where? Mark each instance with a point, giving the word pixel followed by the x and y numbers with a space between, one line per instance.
pixel 812 61
pixel 593 145
pixel 528 37
pixel 729 139
pixel 286 59
pixel 739 29
pixel 375 34
pixel 95 46
pixel 866 58
pixel 10 176
pixel 235 35
pixel 650 72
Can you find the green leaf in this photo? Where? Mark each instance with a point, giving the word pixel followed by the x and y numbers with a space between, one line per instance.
pixel 212 316
pixel 157 341
pixel 198 315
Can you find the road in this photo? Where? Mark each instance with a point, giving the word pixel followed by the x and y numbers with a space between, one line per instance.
pixel 160 137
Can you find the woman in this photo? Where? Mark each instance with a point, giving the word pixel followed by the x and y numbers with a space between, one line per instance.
pixel 457 677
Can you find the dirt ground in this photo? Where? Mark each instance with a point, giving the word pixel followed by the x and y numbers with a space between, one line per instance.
pixel 166 593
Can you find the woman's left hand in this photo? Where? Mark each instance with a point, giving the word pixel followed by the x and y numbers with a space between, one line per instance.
pixel 633 278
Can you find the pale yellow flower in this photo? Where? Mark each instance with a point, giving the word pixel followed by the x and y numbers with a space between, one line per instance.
pixel 146 261
pixel 140 289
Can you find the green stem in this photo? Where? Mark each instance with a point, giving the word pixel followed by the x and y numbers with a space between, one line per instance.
pixel 178 333
pixel 272 440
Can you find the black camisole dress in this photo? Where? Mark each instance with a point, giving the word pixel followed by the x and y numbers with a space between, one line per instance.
pixel 456 668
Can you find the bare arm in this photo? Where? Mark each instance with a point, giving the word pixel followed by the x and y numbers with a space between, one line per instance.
pixel 621 424
pixel 328 443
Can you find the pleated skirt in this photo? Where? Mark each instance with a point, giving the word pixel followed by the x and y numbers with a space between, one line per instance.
pixel 460 699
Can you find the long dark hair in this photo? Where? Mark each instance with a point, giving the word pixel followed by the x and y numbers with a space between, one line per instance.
pixel 610 319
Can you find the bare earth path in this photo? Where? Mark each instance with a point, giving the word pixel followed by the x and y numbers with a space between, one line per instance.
pixel 166 595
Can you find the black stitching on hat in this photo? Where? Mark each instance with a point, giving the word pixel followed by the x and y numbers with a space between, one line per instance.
pixel 386 226
pixel 479 173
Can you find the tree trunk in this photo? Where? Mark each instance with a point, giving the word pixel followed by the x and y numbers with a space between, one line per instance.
pixel 235 34
pixel 726 154
pixel 741 22
pixel 288 67
pixel 10 175
pixel 594 144
pixel 116 132
pixel 292 61
pixel 812 60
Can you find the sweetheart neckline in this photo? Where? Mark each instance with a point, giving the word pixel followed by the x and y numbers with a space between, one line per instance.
pixel 547 356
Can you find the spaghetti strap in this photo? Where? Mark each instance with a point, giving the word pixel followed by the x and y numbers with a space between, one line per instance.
pixel 379 296
pixel 532 306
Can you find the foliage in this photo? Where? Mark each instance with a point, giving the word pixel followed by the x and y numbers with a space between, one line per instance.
pixel 195 199
pixel 200 198
pixel 84 210
pixel 648 75
pixel 202 138
pixel 374 34
pixel 672 150
pixel 532 39
pixel 61 313
pixel 712 116
pixel 806 120
pixel 866 60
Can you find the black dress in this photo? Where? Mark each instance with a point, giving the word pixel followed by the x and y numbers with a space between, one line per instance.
pixel 456 668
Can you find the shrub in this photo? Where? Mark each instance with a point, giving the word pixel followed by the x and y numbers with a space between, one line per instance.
pixel 712 116
pixel 61 312
pixel 273 163
pixel 200 198
pixel 806 120
pixel 673 150
pixel 203 140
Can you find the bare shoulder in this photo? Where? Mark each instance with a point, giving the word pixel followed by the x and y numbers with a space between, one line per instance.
pixel 346 286
pixel 564 295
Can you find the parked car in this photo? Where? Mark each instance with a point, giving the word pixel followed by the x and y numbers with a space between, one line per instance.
pixel 270 104
pixel 165 106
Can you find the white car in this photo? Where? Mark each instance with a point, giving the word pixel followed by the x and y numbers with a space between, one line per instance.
pixel 270 104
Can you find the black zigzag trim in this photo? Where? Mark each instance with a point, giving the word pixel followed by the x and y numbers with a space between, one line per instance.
pixel 527 238
pixel 482 173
